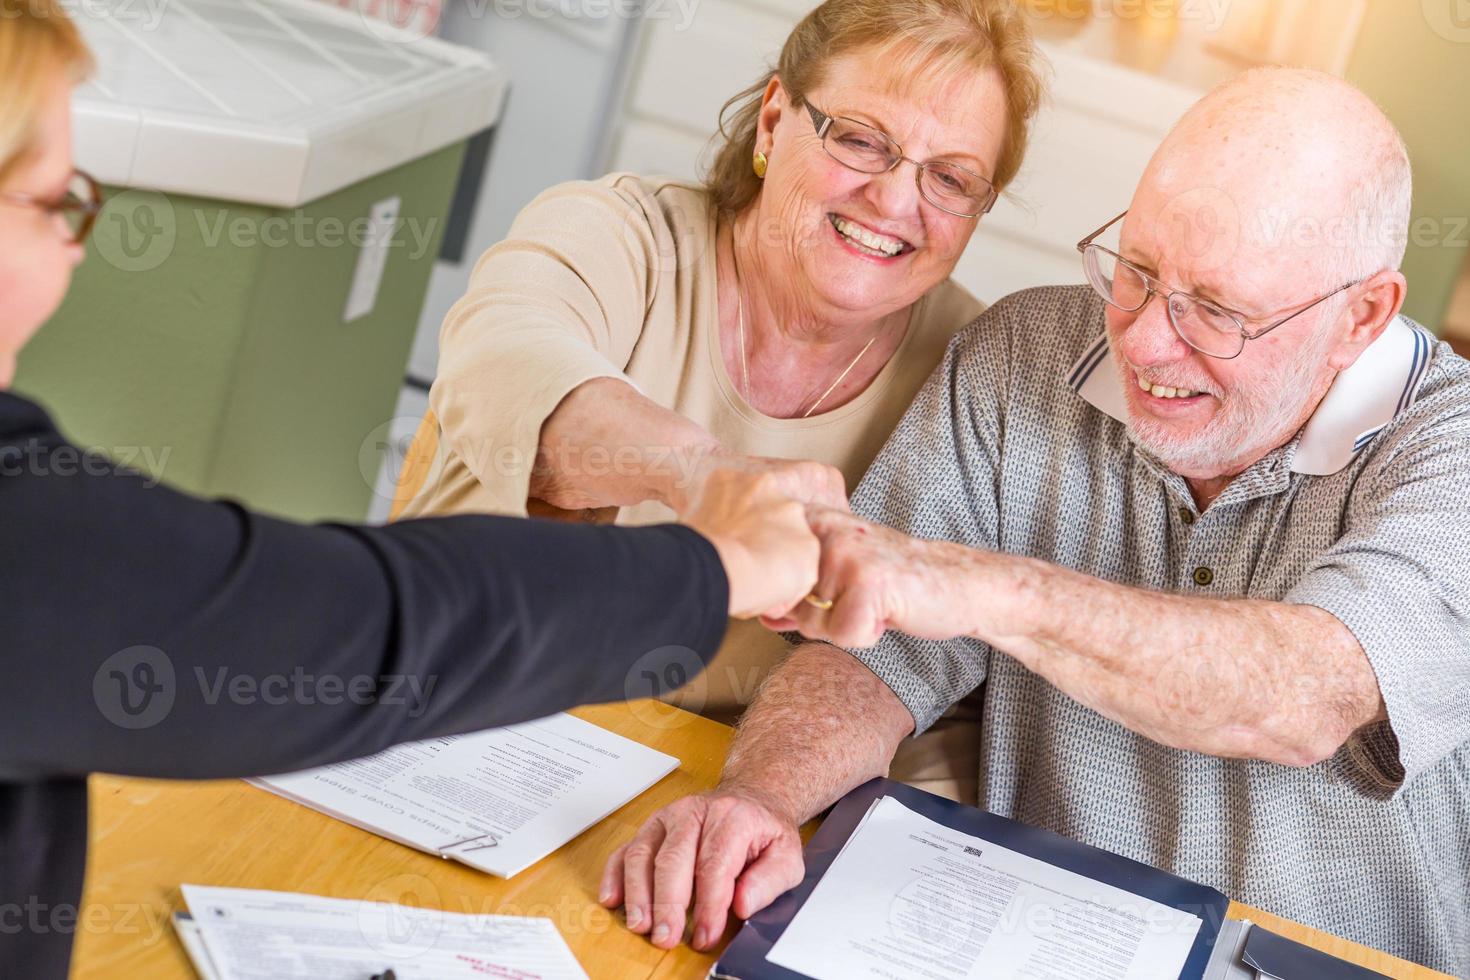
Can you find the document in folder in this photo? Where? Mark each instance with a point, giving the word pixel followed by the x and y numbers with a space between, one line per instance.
pixel 498 800
pixel 904 884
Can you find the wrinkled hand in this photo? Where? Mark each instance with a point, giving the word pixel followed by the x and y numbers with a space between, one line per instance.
pixel 879 579
pixel 724 850
pixel 802 480
pixel 768 549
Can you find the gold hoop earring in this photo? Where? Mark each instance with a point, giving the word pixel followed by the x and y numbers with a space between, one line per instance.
pixel 759 165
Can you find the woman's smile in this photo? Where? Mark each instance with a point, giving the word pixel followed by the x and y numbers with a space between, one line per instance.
pixel 864 240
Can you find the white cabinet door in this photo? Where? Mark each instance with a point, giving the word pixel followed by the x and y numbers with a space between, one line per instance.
pixel 653 148
pixel 684 77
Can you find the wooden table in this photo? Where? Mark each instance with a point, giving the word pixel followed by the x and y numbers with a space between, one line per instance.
pixel 148 837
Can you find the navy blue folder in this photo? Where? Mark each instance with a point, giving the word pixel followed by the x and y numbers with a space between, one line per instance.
pixel 746 957
pixel 1276 956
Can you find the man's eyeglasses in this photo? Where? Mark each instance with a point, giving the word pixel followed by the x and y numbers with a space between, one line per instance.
pixel 858 146
pixel 1209 328
pixel 78 206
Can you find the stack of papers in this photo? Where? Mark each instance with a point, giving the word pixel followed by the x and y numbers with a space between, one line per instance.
pixel 245 934
pixel 498 801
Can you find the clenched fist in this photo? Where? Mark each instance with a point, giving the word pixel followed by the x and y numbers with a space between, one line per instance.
pixel 761 532
pixel 878 579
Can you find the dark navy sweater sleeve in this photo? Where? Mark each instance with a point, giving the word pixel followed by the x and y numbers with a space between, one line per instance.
pixel 150 633
pixel 146 632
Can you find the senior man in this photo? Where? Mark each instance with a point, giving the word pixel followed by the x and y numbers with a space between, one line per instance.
pixel 1200 530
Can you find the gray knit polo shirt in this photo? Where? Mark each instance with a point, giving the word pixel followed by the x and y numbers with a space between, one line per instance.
pixel 1016 443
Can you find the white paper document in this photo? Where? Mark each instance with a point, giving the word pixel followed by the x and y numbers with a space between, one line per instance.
pixel 498 801
pixel 911 898
pixel 193 942
pixel 262 935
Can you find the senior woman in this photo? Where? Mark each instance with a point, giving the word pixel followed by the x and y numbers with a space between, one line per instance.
pixel 633 336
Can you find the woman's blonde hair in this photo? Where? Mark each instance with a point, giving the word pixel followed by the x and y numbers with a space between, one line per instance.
pixel 37 40
pixel 936 36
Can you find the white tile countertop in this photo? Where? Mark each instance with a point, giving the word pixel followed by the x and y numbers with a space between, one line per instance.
pixel 273 102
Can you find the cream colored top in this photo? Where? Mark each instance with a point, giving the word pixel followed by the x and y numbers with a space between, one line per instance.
pixel 616 278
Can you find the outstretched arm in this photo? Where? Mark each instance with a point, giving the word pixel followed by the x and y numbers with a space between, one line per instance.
pixel 151 633
pixel 532 395
pixel 607 445
pixel 1239 678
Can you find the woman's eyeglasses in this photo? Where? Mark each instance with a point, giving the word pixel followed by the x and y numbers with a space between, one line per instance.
pixel 858 146
pixel 78 205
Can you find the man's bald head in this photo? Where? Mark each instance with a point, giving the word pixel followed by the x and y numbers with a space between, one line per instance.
pixel 1282 197
pixel 1295 168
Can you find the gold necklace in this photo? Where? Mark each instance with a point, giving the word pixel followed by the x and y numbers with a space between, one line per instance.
pixel 744 361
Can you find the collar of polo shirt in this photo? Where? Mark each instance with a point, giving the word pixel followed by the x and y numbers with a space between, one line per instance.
pixel 1381 383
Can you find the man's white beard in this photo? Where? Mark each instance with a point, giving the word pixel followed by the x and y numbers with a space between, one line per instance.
pixel 1248 425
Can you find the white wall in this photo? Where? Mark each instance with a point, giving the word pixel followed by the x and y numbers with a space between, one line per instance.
pixel 564 81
